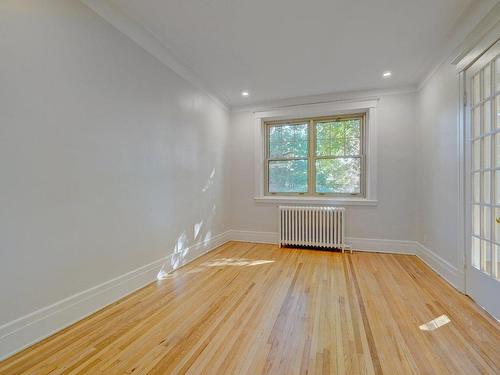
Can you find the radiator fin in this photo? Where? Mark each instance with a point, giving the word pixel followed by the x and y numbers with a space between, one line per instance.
pixel 312 226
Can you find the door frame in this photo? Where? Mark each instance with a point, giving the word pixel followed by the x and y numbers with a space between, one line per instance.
pixel 484 36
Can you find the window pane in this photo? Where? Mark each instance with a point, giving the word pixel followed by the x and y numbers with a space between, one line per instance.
pixel 476 155
pixel 486 224
pixel 476 251
pixel 494 232
pixel 288 141
pixel 486 152
pixel 352 128
pixel 487 187
pixel 476 122
pixel 476 94
pixel 497 187
pixel 338 137
pixel 352 146
pixel 288 176
pixel 476 187
pixel 487 116
pixel 485 256
pixel 329 138
pixel 330 129
pixel 487 81
pixel 340 175
pixel 497 111
pixel 323 130
pixel 330 146
pixel 497 150
pixel 497 74
pixel 497 226
pixel 275 134
pixel 288 150
pixel 476 220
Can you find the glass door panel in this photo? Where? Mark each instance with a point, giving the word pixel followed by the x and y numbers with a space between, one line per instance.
pixel 483 114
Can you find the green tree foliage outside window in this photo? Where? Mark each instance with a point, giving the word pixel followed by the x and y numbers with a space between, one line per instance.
pixel 289 147
pixel 338 143
pixel 334 155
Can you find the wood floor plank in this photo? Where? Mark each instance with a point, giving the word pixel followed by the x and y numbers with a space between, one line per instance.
pixel 258 309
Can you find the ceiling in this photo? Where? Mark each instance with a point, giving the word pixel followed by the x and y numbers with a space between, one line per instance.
pixel 279 49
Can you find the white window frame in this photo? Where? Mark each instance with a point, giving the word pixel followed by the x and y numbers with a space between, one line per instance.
pixel 337 108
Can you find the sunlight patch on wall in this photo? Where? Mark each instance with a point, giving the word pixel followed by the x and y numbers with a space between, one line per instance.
pixel 163 274
pixel 197 229
pixel 208 236
pixel 210 181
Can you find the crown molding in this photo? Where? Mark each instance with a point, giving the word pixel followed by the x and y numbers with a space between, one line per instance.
pixel 469 29
pixel 150 43
pixel 318 109
pixel 348 96
pixel 484 35
pixel 475 22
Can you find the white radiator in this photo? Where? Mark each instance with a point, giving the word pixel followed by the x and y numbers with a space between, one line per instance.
pixel 312 226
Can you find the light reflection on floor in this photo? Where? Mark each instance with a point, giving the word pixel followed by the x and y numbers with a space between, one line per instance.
pixel 220 262
pixel 435 323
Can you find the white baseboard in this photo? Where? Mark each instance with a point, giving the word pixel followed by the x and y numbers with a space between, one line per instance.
pixel 29 329
pixel 382 245
pixel 447 271
pixel 252 236
pixel 360 244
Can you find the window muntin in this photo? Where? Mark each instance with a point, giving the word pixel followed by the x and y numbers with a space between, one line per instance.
pixel 316 156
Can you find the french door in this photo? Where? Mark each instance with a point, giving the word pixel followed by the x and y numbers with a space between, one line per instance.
pixel 482 81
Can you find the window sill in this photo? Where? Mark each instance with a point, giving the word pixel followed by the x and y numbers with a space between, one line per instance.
pixel 317 200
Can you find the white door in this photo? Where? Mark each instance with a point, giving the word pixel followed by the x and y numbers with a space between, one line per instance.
pixel 483 190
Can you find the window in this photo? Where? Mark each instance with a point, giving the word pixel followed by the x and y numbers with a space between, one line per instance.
pixel 315 156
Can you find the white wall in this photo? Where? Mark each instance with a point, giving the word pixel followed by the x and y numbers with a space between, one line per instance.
pixel 393 218
pixel 108 159
pixel 437 161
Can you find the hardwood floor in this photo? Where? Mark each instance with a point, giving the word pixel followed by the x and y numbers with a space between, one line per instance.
pixel 257 309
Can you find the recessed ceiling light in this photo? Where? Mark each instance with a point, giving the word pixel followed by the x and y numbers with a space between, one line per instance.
pixel 244 93
pixel 386 74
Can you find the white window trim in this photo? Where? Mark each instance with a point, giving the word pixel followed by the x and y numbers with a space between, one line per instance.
pixel 314 110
